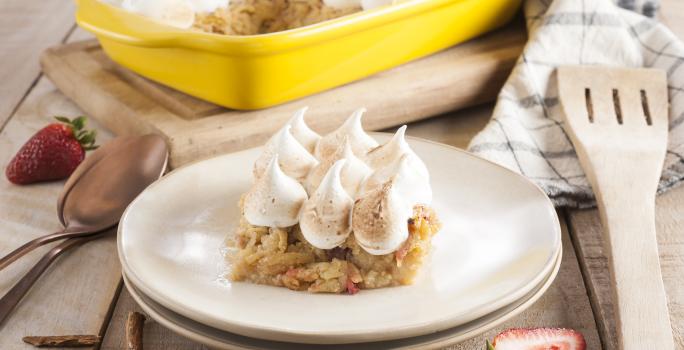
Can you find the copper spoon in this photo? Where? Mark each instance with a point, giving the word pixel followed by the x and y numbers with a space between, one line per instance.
pixel 96 195
pixel 88 163
pixel 101 187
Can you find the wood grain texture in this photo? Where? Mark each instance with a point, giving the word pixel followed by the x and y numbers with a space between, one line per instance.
pixel 464 75
pixel 154 335
pixel 74 295
pixel 20 44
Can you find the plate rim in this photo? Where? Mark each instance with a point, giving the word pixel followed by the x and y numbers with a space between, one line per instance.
pixel 438 343
pixel 327 337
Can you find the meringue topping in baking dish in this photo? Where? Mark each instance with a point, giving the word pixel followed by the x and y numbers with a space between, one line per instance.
pixel 244 17
pixel 177 13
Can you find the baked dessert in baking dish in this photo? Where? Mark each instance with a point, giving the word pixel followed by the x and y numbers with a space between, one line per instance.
pixel 250 17
pixel 334 214
pixel 245 17
pixel 247 72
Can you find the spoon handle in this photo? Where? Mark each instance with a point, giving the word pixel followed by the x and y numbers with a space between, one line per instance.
pixel 14 296
pixel 33 244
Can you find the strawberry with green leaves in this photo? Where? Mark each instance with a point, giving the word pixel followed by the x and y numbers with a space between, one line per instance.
pixel 53 153
pixel 538 339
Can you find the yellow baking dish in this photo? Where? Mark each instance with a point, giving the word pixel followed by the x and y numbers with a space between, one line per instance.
pixel 257 71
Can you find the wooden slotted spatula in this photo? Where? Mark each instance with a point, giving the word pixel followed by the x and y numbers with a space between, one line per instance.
pixel 617 119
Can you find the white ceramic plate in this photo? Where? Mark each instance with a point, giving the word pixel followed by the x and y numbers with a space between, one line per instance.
pixel 218 339
pixel 499 240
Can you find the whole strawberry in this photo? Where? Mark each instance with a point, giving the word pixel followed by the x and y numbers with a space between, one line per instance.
pixel 53 153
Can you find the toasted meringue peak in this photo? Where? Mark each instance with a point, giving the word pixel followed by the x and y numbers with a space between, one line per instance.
pixel 325 217
pixel 294 159
pixel 301 132
pixel 407 180
pixel 353 173
pixel 360 141
pixel 388 181
pixel 393 149
pixel 275 198
pixel 380 220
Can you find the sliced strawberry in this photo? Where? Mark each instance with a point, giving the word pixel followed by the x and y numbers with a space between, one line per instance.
pixel 538 339
pixel 351 287
pixel 52 153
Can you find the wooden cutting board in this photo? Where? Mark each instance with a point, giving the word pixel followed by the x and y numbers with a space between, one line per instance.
pixel 126 103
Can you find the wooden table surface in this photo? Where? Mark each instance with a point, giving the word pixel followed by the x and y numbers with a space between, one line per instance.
pixel 81 293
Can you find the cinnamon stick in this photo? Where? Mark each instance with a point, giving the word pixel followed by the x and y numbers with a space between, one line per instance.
pixel 134 330
pixel 75 341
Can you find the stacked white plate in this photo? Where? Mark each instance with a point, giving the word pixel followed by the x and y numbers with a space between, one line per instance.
pixel 498 251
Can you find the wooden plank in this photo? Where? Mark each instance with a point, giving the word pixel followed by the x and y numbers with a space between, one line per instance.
pixel 183 105
pixel 155 336
pixel 74 296
pixel 464 75
pixel 20 44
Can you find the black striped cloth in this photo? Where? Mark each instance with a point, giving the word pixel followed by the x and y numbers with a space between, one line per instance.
pixel 526 130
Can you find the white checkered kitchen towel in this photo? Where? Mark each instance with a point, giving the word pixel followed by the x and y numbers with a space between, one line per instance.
pixel 526 130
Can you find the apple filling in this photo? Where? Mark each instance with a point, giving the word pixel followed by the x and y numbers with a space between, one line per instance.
pixel 282 257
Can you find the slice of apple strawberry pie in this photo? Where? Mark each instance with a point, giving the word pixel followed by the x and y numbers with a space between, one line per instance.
pixel 334 214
